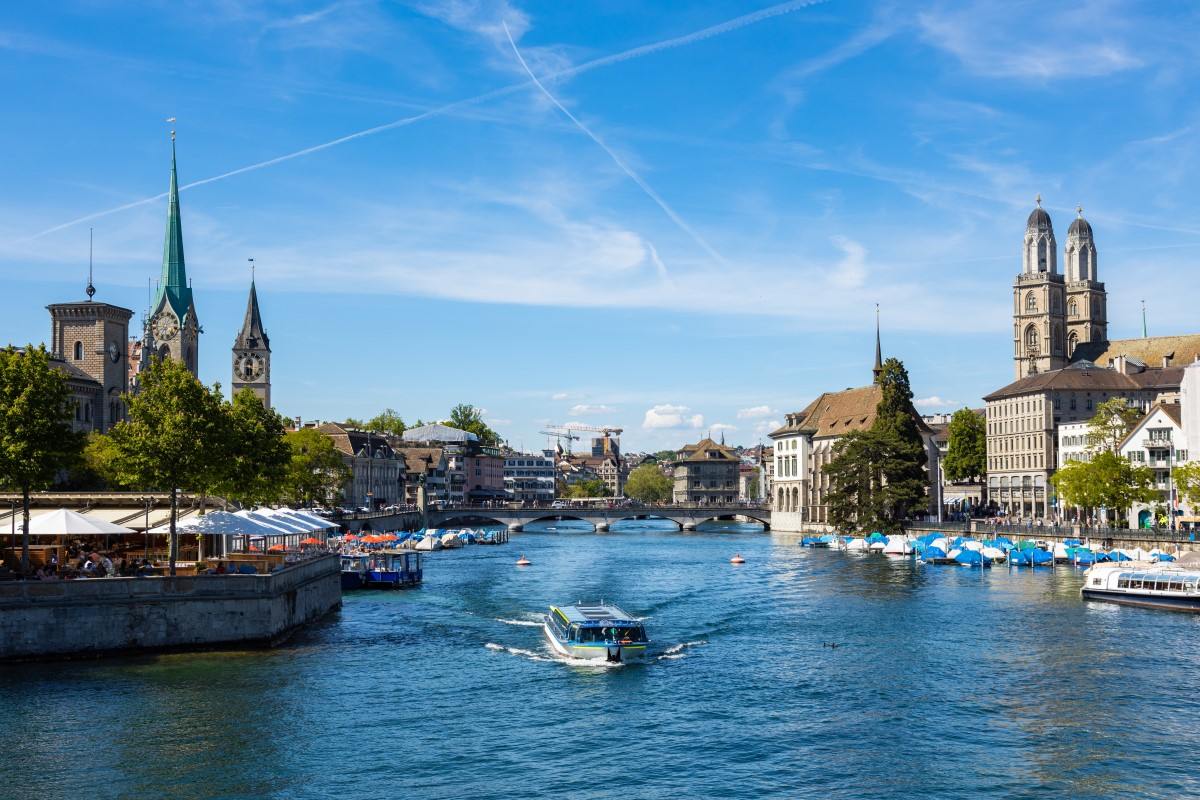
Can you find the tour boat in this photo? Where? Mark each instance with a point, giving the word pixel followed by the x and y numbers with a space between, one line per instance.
pixel 600 632
pixel 1150 586
pixel 354 571
pixel 393 569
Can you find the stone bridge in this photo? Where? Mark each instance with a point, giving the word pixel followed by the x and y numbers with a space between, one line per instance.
pixel 686 517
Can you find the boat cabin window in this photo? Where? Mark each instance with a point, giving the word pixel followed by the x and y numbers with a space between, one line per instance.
pixel 1122 581
pixel 1135 583
pixel 1176 584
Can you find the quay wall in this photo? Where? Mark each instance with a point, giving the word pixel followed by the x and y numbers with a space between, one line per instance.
pixel 82 618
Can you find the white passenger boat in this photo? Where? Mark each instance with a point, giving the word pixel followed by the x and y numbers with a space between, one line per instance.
pixel 600 632
pixel 1146 585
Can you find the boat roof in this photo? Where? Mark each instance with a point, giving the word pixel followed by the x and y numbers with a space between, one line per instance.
pixel 596 613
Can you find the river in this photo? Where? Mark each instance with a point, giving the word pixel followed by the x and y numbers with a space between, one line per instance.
pixel 945 682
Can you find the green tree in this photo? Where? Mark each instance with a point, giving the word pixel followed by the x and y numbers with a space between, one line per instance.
pixel 354 424
pixel 1076 486
pixel 387 421
pixel 1112 422
pixel 258 460
pixel 1187 484
pixel 99 469
pixel 316 470
pixel 176 436
pixel 1107 481
pixel 36 439
pixel 877 477
pixel 966 454
pixel 647 484
pixel 593 487
pixel 468 418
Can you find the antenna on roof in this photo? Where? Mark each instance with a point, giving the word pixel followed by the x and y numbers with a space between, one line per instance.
pixel 1144 334
pixel 91 289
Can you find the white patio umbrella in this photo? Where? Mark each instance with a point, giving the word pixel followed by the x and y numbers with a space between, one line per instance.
pixel 281 525
pixel 219 522
pixel 65 522
pixel 318 523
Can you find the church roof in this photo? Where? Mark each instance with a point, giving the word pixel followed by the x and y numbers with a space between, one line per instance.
pixel 1039 220
pixel 1151 350
pixel 252 335
pixel 1080 376
pixel 1080 227
pixel 173 289
pixel 836 413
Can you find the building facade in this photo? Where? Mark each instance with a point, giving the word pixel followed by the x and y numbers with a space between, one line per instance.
pixel 530 477
pixel 1158 442
pixel 92 339
pixel 252 353
pixel 425 469
pixel 377 472
pixel 706 474
pixel 1073 443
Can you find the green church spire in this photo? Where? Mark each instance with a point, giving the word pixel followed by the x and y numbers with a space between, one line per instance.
pixel 173 286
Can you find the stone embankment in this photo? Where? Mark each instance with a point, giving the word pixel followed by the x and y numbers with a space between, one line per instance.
pixel 84 618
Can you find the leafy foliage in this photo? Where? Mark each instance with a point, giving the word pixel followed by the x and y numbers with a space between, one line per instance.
pixel 647 484
pixel 1107 481
pixel 316 471
pixel 592 487
pixel 99 469
pixel 36 438
pixel 387 421
pixel 468 418
pixel 1113 421
pixel 877 477
pixel 258 457
pixel 1187 483
pixel 176 436
pixel 966 455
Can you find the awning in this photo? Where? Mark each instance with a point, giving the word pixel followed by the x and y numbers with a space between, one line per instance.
pixel 65 522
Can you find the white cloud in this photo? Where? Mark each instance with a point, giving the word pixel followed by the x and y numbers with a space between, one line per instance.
pixel 587 410
pixel 666 416
pixel 755 412
pixel 717 427
pixel 993 38
pixel 766 426
pixel 559 396
pixel 934 402
pixel 851 271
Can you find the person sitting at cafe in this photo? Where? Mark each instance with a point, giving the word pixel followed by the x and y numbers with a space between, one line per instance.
pixel 101 567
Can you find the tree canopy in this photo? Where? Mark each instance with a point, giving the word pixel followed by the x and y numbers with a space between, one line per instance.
pixel 387 421
pixel 648 484
pixel 877 477
pixel 468 418
pixel 1187 483
pixel 592 487
pixel 255 468
pixel 36 437
pixel 316 471
pixel 1112 422
pixel 966 454
pixel 1107 481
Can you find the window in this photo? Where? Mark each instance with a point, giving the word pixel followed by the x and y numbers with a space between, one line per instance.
pixel 79 351
pixel 1031 339
pixel 1072 309
pixel 1072 403
pixel 1031 303
pixel 1072 343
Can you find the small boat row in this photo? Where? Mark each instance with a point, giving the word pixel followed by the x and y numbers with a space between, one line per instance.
pixel 437 539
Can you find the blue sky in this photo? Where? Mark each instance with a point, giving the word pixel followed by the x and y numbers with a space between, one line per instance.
pixel 682 226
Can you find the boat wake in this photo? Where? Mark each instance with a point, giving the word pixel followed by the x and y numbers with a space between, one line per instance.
pixel 528 623
pixel 545 656
pixel 679 650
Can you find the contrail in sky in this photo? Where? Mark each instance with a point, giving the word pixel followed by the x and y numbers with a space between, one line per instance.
pixel 616 58
pixel 670 212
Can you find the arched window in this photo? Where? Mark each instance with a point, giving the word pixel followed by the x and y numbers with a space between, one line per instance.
pixel 164 352
pixel 779 503
pixel 1084 266
pixel 79 351
pixel 1072 343
pixel 1041 255
pixel 1030 303
pixel 1058 340
pixel 1073 309
pixel 795 499
pixel 1031 339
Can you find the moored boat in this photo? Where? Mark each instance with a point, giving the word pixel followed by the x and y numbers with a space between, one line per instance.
pixel 354 571
pixel 599 632
pixel 1146 585
pixel 393 569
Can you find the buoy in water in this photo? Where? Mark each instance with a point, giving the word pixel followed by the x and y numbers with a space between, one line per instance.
pixel 523 562
pixel 737 559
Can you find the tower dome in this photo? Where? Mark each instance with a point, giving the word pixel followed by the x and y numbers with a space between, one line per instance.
pixel 1080 227
pixel 1040 250
pixel 1039 220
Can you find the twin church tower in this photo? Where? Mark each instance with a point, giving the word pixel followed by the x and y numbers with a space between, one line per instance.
pixel 173 328
pixel 1053 313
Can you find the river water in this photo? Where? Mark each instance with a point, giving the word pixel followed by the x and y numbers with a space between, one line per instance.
pixel 946 682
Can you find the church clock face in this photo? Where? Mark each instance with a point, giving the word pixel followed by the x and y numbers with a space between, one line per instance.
pixel 114 351
pixel 165 328
pixel 251 367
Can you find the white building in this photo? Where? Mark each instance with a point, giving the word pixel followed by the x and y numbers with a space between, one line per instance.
pixel 1073 443
pixel 1157 441
pixel 1190 408
pixel 529 477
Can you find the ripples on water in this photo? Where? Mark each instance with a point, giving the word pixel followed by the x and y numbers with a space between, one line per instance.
pixel 946 682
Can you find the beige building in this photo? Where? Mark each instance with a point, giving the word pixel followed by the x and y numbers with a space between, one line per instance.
pixel 706 473
pixel 89 342
pixel 377 471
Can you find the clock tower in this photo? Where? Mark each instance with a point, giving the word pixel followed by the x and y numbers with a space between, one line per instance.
pixel 173 323
pixel 252 353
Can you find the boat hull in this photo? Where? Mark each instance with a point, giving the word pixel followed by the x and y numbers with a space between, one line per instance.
pixel 1161 602
pixel 352 581
pixel 599 653
pixel 390 579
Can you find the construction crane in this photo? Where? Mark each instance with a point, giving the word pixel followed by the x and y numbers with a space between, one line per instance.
pixel 560 432
pixel 607 432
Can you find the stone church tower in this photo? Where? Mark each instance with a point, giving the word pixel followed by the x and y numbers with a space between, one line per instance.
pixel 252 353
pixel 1087 319
pixel 1039 302
pixel 173 322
